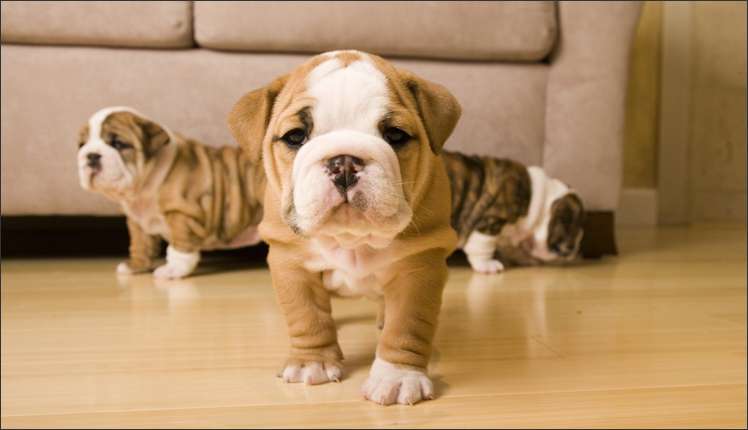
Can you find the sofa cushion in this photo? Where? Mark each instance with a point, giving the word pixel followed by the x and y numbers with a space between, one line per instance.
pixel 104 23
pixel 523 31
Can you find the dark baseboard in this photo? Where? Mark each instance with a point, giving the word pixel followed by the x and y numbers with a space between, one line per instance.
pixel 82 236
pixel 63 235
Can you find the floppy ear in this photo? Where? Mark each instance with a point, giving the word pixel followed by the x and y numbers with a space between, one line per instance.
pixel 438 108
pixel 154 136
pixel 250 117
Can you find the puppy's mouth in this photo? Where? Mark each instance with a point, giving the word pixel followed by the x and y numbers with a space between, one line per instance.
pixel 351 202
pixel 87 175
pixel 350 220
pixel 349 225
pixel 344 209
pixel 350 211
pixel 94 179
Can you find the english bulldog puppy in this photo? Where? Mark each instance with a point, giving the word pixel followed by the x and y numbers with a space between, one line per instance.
pixel 194 196
pixel 503 210
pixel 357 204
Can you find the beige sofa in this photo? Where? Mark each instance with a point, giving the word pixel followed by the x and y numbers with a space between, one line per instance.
pixel 541 82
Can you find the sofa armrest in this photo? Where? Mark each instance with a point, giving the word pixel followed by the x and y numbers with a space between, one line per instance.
pixel 586 98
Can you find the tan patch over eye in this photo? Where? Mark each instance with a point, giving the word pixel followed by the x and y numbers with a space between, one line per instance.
pixel 83 136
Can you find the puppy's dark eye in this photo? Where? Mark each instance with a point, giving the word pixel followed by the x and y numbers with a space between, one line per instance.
pixel 294 138
pixel 119 145
pixel 395 137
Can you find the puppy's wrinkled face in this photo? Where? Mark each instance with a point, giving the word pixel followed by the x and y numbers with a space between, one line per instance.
pixel 114 149
pixel 561 239
pixel 344 140
pixel 348 146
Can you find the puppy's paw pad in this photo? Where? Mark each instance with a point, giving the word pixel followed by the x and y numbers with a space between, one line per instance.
pixel 170 272
pixel 488 266
pixel 388 384
pixel 311 373
pixel 124 269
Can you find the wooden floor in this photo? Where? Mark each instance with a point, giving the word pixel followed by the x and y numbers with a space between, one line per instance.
pixel 653 338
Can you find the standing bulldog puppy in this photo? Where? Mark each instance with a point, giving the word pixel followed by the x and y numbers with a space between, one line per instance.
pixel 194 196
pixel 357 204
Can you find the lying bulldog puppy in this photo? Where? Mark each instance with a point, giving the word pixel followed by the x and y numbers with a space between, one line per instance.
pixel 193 196
pixel 500 207
pixel 357 204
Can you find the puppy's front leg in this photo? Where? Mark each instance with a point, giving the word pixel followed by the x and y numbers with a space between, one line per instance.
pixel 144 249
pixel 480 250
pixel 183 252
pixel 412 301
pixel 315 355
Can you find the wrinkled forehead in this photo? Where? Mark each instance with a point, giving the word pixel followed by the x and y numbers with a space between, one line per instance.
pixel 108 118
pixel 345 89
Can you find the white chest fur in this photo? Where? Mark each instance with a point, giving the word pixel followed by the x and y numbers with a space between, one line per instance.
pixel 350 272
pixel 144 211
pixel 535 223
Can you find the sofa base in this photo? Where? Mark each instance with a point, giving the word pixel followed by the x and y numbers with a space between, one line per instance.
pixel 599 234
pixel 80 236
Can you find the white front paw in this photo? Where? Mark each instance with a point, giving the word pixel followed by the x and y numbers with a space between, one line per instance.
pixel 172 271
pixel 124 269
pixel 311 372
pixel 388 384
pixel 487 266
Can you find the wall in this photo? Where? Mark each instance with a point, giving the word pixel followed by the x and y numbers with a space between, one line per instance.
pixel 642 102
pixel 691 144
pixel 717 144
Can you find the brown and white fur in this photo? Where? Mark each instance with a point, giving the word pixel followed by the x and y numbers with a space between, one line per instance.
pixel 505 211
pixel 356 205
pixel 193 196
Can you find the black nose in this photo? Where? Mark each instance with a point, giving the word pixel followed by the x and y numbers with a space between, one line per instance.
pixel 343 170
pixel 94 159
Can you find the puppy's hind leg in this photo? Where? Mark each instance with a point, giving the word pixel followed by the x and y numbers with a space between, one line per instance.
pixel 183 252
pixel 144 249
pixel 480 250
pixel 178 264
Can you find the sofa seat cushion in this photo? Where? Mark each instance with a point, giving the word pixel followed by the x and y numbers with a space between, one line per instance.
pixel 103 23
pixel 509 31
